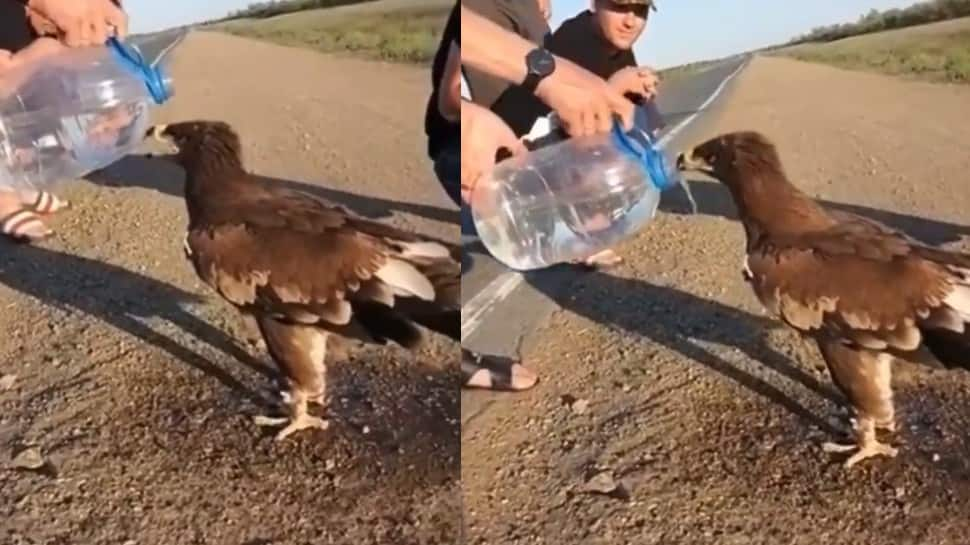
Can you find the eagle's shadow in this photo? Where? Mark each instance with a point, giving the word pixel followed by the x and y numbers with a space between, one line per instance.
pixel 123 299
pixel 678 320
pixel 167 178
pixel 713 199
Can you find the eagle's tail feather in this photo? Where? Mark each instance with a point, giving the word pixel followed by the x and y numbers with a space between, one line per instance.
pixel 947 332
pixel 384 324
pixel 952 349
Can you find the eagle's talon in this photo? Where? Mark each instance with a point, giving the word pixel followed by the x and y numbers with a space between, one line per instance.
pixel 869 450
pixel 838 448
pixel 269 421
pixel 300 423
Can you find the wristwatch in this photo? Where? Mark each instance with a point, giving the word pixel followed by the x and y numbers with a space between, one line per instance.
pixel 539 64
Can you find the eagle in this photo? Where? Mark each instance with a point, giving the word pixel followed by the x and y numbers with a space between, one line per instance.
pixel 303 269
pixel 864 293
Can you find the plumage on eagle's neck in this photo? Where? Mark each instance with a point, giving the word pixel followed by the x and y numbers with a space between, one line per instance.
pixel 768 203
pixel 213 170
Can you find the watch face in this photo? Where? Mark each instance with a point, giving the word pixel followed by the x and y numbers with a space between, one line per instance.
pixel 541 62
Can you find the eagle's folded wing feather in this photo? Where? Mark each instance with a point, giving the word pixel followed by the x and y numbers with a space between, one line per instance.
pixel 865 286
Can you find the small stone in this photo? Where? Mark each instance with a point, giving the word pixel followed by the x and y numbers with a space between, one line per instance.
pixel 601 483
pixel 330 464
pixel 7 381
pixel 580 406
pixel 936 457
pixel 29 459
pixel 900 492
pixel 366 430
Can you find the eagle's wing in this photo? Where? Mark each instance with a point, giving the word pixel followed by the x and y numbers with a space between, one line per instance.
pixel 291 255
pixel 860 282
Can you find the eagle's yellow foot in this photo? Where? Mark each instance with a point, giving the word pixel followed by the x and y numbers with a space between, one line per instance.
pixel 867 450
pixel 298 423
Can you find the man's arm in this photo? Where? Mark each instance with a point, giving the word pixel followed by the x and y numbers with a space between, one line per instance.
pixel 584 102
pixel 492 49
pixel 449 93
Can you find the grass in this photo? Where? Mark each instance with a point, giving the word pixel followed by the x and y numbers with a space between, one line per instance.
pixel 938 52
pixel 404 31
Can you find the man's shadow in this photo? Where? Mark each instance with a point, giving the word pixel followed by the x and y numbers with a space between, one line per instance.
pixel 159 174
pixel 679 321
pixel 123 299
pixel 713 199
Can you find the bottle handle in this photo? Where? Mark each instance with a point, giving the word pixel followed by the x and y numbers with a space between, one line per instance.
pixel 649 156
pixel 132 58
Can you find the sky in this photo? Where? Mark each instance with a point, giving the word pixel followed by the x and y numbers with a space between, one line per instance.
pixel 682 31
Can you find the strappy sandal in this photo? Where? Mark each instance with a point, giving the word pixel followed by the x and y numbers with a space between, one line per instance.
pixel 48 203
pixel 498 373
pixel 24 226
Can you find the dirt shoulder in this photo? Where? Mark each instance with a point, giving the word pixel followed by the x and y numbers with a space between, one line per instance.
pixel 708 414
pixel 129 379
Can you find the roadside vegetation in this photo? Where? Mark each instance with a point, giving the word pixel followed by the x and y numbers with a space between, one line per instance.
pixel 405 31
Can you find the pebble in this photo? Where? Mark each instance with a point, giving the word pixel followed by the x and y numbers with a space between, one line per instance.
pixel 28 459
pixel 580 406
pixel 7 381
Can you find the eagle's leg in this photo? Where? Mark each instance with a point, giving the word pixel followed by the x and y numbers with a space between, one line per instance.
pixel 300 352
pixel 866 379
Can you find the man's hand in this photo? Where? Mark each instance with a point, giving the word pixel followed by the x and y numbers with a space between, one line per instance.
pixel 585 103
pixel 81 22
pixel 637 80
pixel 483 134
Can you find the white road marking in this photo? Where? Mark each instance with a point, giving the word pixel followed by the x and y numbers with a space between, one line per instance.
pixel 474 312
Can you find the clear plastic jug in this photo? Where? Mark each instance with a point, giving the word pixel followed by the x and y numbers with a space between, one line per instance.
pixel 571 199
pixel 80 110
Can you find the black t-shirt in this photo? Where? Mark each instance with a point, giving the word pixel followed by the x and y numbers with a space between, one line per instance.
pixel 15 30
pixel 440 131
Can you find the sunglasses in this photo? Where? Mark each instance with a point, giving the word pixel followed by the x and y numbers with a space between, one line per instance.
pixel 640 10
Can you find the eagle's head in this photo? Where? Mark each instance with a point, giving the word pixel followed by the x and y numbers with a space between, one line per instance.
pixel 734 158
pixel 200 143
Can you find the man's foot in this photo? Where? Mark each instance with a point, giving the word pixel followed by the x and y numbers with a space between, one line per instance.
pixel 495 373
pixel 43 202
pixel 24 226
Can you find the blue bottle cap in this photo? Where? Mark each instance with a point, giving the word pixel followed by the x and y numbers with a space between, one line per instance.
pixel 153 76
pixel 648 154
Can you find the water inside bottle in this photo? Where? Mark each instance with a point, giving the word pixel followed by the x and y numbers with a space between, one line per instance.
pixel 68 146
pixel 538 235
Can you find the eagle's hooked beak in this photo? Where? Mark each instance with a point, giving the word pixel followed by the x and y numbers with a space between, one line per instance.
pixel 687 161
pixel 157 133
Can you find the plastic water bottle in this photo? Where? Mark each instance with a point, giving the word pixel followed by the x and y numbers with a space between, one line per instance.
pixel 571 199
pixel 79 110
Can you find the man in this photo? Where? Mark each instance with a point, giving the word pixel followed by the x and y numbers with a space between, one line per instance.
pixel 600 41
pixel 585 102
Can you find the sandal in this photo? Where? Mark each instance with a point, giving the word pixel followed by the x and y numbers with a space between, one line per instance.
pixel 498 373
pixel 24 226
pixel 48 203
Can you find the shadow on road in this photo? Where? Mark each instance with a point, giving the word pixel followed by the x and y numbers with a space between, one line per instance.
pixel 713 199
pixel 165 177
pixel 676 320
pixel 122 298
